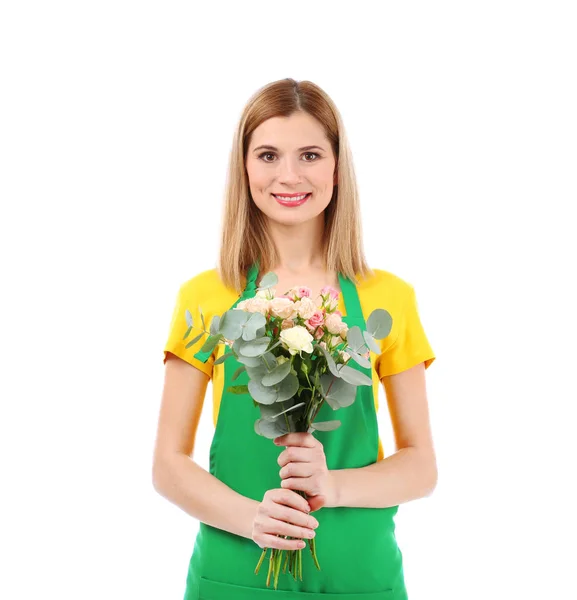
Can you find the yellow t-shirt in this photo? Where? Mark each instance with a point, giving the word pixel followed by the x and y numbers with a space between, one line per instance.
pixel 404 347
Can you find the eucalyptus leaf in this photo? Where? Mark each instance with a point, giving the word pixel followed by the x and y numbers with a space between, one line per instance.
pixel 210 343
pixel 361 360
pixel 371 342
pixel 256 347
pixel 188 318
pixel 354 376
pixel 277 374
pixel 271 412
pixel 288 387
pixel 231 323
pixel 194 340
pixel 269 280
pixel 270 429
pixel 249 361
pixel 222 358
pixel 257 371
pixel 355 339
pixel 262 394
pixel 326 425
pixel 379 323
pixel 330 360
pixel 214 325
pixel 337 392
pixel 254 324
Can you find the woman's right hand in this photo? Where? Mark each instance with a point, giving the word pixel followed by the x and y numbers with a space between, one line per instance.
pixel 283 512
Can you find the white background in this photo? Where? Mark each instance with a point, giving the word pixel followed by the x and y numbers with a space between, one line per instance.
pixel 116 120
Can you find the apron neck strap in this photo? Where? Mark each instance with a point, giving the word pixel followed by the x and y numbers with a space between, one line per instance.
pixel 351 299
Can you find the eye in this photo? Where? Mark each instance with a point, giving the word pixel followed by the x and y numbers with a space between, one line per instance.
pixel 272 154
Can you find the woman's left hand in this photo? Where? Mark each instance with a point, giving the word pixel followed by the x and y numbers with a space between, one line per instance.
pixel 304 468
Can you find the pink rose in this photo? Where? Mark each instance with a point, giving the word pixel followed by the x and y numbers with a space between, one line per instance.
pixel 333 323
pixel 316 319
pixel 304 292
pixel 319 333
pixel 334 294
pixel 287 324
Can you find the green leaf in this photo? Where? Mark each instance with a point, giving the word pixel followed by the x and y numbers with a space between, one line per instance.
pixel 194 340
pixel 186 333
pixel 210 343
pixel 379 323
pixel 277 374
pixel 224 357
pixel 202 317
pixel 238 389
pixel 238 371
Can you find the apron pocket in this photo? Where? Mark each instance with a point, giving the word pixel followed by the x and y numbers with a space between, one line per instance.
pixel 219 590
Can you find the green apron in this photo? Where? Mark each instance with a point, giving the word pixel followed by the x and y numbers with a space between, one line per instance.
pixel 356 547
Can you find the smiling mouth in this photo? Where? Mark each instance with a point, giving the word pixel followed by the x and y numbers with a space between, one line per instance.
pixel 292 198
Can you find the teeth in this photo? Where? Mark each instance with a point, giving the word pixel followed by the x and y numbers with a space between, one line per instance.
pixel 294 199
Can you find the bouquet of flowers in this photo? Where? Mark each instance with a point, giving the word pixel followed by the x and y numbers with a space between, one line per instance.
pixel 295 351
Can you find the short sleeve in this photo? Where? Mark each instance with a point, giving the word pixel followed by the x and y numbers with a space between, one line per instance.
pixel 410 346
pixel 187 298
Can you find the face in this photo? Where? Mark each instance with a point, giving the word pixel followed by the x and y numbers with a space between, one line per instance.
pixel 277 163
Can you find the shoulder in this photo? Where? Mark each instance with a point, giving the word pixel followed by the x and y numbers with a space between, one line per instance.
pixel 384 289
pixel 207 289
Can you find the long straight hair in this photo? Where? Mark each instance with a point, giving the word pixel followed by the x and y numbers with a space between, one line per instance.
pixel 245 237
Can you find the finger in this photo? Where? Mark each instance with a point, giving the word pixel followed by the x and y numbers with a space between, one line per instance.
pixel 290 498
pixel 297 438
pixel 296 469
pixel 295 454
pixel 301 484
pixel 272 541
pixel 274 526
pixel 295 517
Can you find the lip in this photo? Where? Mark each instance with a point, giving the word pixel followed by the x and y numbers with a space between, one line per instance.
pixel 292 203
pixel 291 195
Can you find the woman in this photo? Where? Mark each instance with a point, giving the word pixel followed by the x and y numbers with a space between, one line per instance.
pixel 292 208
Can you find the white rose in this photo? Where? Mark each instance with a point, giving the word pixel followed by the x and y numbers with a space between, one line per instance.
pixel 297 339
pixel 306 308
pixel 282 307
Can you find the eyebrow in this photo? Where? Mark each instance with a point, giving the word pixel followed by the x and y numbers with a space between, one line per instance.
pixel 267 147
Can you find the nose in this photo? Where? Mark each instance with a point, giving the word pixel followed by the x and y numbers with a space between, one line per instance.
pixel 289 170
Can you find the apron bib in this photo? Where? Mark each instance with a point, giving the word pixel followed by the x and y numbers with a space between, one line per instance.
pixel 356 547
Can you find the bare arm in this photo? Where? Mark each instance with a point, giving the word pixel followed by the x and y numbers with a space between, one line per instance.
pixel 409 473
pixel 175 475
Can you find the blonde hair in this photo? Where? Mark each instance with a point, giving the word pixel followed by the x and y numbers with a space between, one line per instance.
pixel 244 237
